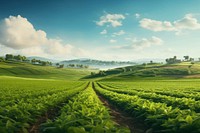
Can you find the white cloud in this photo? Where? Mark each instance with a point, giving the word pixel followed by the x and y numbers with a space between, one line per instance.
pixel 103 32
pixel 155 25
pixel 113 41
pixel 18 35
pixel 18 32
pixel 32 52
pixel 143 43
pixel 137 15
pixel 121 32
pixel 56 47
pixel 188 22
pixel 114 20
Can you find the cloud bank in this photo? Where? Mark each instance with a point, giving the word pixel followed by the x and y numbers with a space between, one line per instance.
pixel 188 22
pixel 142 43
pixel 18 33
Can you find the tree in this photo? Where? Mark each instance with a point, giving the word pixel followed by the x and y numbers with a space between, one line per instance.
pixel 18 57
pixel 33 61
pixel 191 59
pixel 186 57
pixel 93 73
pixel 175 57
pixel 44 63
pixel 172 60
pixel 9 57
pixel 167 60
pixel 71 65
pixel 61 66
pixel 24 58
pixel 57 64
pixel 102 73
pixel 49 63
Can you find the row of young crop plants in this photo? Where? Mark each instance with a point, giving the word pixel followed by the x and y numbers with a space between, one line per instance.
pixel 160 112
pixel 80 111
pixel 84 113
pixel 188 86
pixel 182 103
pixel 21 102
pixel 164 88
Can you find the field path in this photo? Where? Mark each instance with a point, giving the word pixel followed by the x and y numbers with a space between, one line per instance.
pixel 123 118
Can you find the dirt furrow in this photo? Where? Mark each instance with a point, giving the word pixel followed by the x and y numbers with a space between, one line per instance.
pixel 123 118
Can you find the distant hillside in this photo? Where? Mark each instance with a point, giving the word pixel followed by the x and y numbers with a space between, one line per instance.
pixel 150 71
pixel 42 59
pixel 147 60
pixel 98 63
pixel 20 69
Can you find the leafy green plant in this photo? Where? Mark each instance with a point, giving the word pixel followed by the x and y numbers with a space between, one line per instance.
pixel 161 117
pixel 84 113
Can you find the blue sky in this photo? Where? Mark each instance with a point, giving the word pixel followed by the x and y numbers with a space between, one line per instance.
pixel 100 29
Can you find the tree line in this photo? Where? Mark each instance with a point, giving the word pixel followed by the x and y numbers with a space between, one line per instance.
pixel 10 57
pixel 175 60
pixel 77 66
pixel 40 62
pixel 21 58
pixel 72 65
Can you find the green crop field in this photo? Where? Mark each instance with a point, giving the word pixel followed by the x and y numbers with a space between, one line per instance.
pixel 24 100
pixel 99 66
pixel 45 99
pixel 165 106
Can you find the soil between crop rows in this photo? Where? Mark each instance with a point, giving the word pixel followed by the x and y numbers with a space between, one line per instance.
pixel 124 119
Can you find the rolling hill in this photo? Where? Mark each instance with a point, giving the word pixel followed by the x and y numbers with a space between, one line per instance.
pixel 149 71
pixel 99 64
pixel 42 58
pixel 19 69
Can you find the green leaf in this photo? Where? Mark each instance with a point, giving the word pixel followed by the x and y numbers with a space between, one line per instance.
pixel 9 124
pixel 24 130
pixel 189 119
pixel 76 130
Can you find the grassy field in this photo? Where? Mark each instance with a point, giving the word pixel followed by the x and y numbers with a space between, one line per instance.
pixel 18 69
